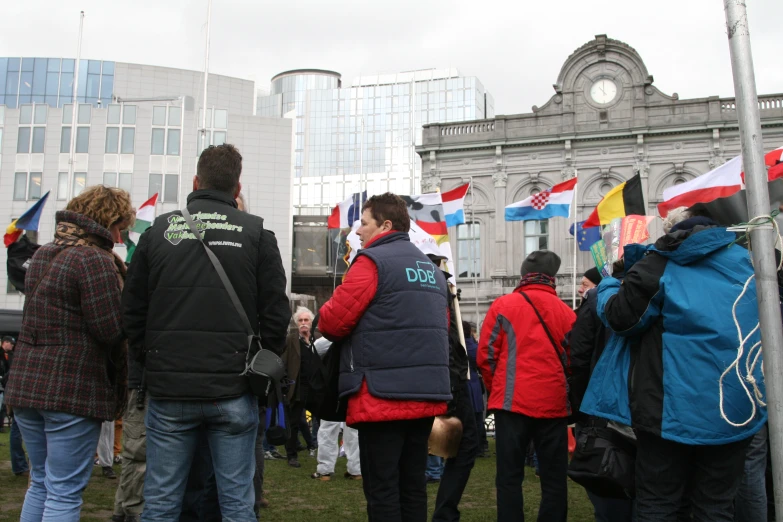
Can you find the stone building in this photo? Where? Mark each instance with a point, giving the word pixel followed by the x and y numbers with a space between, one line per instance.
pixel 606 121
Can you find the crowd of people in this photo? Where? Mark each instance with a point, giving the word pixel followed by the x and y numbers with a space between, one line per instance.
pixel 158 351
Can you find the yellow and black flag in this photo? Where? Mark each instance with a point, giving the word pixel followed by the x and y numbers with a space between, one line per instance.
pixel 626 199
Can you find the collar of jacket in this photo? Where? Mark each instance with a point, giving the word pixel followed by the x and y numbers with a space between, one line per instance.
pixel 689 246
pixel 212 195
pixel 538 288
pixel 87 224
pixel 387 237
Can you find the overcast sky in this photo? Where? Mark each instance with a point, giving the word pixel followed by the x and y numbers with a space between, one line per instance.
pixel 516 48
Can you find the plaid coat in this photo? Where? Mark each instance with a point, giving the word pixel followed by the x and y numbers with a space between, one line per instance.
pixel 72 325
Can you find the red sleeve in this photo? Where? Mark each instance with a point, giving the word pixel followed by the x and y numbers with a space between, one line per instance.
pixel 490 345
pixel 340 314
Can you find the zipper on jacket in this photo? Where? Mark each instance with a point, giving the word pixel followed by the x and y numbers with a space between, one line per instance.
pixel 351 359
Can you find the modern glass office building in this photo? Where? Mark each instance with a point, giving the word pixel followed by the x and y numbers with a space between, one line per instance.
pixel 137 127
pixel 369 130
pixel 50 81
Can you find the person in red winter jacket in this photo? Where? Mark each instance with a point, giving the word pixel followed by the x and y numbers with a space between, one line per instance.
pixel 392 312
pixel 522 361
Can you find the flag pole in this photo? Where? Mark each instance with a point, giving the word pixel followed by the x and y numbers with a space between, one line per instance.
pixel 576 236
pixel 470 250
pixel 763 236
pixel 74 112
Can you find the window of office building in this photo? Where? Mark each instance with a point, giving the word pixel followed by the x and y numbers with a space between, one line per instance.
pixel 166 131
pixel 165 185
pixel 121 139
pixel 469 250
pixel 27 186
pixel 32 129
pixel 120 180
pixel 216 124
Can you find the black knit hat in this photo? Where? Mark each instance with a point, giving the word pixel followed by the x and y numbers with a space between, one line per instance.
pixel 593 275
pixel 543 262
pixel 9 339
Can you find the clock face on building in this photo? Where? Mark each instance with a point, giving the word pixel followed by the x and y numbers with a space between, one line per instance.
pixel 603 91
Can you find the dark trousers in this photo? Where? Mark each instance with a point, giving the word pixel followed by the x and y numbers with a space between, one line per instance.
pixel 457 471
pixel 393 462
pixel 676 480
pixel 258 477
pixel 612 509
pixel 513 433
pixel 482 431
pixel 200 502
pixel 298 423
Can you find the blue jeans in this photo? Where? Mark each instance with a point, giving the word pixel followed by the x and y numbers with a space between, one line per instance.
pixel 18 458
pixel 173 429
pixel 435 467
pixel 61 448
pixel 750 504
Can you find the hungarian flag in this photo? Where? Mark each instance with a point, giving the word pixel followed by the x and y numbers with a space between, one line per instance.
pixel 27 221
pixel 625 199
pixel 145 215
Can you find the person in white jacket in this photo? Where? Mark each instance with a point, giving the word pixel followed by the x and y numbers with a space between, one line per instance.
pixel 328 440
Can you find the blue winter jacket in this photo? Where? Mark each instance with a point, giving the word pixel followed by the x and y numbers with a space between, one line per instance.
pixel 674 337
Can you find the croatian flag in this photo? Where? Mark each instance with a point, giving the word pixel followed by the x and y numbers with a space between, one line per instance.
pixel 544 205
pixel 454 205
pixel 345 213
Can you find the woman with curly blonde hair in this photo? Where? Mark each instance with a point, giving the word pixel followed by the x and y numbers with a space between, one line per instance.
pixel 69 367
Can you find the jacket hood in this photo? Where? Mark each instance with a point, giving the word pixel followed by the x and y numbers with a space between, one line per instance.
pixel 87 224
pixel 689 246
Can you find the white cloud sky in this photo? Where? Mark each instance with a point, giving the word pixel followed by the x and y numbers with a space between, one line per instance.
pixel 516 48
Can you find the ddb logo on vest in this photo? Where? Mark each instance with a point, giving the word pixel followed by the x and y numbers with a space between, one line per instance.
pixel 424 273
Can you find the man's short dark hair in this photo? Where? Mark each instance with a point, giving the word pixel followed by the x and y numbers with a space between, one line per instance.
pixel 389 207
pixel 219 168
pixel 8 339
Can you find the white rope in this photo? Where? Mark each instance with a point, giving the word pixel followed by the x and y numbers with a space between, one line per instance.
pixel 750 367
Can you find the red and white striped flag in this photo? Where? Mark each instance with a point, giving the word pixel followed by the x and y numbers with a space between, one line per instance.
pixel 722 182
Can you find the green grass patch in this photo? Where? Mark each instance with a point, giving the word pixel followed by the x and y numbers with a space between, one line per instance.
pixel 295 497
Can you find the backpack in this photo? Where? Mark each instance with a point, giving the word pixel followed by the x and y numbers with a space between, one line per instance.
pixel 324 400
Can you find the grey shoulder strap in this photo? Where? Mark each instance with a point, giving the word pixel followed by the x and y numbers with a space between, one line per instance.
pixel 222 274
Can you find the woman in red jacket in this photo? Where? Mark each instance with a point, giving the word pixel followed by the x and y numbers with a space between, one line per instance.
pixel 392 311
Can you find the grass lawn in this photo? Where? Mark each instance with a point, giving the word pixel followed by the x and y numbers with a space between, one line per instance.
pixel 295 497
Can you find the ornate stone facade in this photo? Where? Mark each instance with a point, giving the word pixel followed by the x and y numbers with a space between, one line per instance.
pixel 606 122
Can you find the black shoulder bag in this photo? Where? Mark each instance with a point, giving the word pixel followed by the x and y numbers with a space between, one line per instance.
pixel 265 368
pixel 604 460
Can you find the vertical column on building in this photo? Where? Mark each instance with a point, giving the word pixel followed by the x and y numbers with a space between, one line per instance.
pixel 500 178
pixel 430 175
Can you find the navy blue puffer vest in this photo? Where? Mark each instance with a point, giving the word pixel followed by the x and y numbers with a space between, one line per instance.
pixel 401 342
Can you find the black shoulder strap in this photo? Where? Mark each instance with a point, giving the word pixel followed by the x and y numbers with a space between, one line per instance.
pixel 223 277
pixel 560 356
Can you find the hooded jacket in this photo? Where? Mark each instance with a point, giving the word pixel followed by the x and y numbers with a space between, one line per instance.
pixel 672 316
pixel 521 371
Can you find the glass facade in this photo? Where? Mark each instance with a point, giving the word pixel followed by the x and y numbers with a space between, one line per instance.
pixel 50 81
pixel 371 128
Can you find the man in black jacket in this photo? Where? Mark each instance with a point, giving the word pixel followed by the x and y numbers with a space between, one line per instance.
pixel 457 469
pixel 588 339
pixel 195 345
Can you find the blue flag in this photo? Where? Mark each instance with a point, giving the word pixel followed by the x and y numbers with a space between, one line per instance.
pixel 29 220
pixel 586 237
